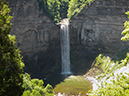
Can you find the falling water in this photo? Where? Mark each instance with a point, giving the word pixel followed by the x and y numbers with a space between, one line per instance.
pixel 65 46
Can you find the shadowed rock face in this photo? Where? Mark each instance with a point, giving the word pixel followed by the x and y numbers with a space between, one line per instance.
pixel 37 37
pixel 33 29
pixel 96 26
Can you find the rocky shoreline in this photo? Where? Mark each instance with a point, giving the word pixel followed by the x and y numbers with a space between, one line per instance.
pixel 63 94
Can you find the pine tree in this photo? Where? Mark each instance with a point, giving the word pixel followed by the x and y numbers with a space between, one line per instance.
pixel 11 65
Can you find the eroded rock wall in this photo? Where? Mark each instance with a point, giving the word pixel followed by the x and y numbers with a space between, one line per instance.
pixel 33 29
pixel 37 37
pixel 100 24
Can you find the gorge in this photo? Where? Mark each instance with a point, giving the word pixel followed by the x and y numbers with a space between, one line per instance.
pixel 96 28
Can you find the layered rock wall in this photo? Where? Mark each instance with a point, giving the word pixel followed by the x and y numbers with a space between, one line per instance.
pixel 33 29
pixel 101 24
pixel 37 37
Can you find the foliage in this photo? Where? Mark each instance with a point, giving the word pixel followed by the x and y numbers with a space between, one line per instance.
pixel 120 87
pixel 34 87
pixel 125 32
pixel 107 65
pixel 54 9
pixel 58 9
pixel 75 6
pixel 63 8
pixel 10 59
pixel 104 63
pixel 48 90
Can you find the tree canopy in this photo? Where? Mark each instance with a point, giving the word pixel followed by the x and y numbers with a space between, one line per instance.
pixel 75 6
pixel 125 32
pixel 59 9
pixel 34 87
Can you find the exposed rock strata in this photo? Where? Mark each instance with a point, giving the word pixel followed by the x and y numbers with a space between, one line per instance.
pixel 33 29
pixel 37 37
pixel 101 24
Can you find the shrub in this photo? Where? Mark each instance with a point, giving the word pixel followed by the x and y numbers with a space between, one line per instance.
pixel 34 87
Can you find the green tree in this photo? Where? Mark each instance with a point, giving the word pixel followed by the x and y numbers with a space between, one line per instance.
pixel 34 87
pixel 54 8
pixel 51 8
pixel 125 32
pixel 75 6
pixel 11 65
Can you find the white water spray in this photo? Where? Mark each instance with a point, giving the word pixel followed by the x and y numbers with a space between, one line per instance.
pixel 65 46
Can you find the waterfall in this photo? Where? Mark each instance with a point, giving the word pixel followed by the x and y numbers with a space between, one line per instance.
pixel 65 46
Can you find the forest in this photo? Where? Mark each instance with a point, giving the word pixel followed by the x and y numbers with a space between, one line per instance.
pixel 13 80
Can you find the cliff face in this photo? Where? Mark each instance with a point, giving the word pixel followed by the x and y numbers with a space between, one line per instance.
pixel 101 24
pixel 37 37
pixel 97 26
pixel 33 29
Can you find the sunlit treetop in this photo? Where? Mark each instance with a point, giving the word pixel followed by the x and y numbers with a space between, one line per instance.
pixel 125 32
